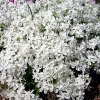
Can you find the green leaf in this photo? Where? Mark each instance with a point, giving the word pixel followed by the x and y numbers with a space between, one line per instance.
pixel 79 39
pixel 58 1
pixel 71 21
pixel 46 7
pixel 65 12
pixel 42 28
pixel 36 10
pixel 74 59
pixel 30 11
pixel 29 82
pixel 22 16
pixel 2 25
pixel 0 35
pixel 54 81
pixel 18 39
pixel 2 46
pixel 23 82
pixel 83 4
pixel 36 91
pixel 93 64
pixel 54 13
pixel 82 21
pixel 57 31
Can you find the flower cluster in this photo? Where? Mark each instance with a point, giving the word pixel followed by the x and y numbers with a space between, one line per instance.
pixel 13 1
pixel 60 40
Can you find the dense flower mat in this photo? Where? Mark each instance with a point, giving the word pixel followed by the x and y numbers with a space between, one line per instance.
pixel 48 47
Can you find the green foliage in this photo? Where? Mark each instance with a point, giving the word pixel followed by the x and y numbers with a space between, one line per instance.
pixel 54 81
pixel 58 1
pixel 71 21
pixel 93 65
pixel 74 59
pixel 82 21
pixel 42 28
pixel 22 16
pixel 2 46
pixel 0 35
pixel 37 10
pixel 57 31
pixel 83 4
pixel 24 37
pixel 30 11
pixel 29 82
pixel 79 39
pixel 65 12
pixel 2 25
pixel 93 34
pixel 54 13
pixel 18 39
pixel 46 7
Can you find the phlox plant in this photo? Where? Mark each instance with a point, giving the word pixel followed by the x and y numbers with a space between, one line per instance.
pixel 25 0
pixel 48 47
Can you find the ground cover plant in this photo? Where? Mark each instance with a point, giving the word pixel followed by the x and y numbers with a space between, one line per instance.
pixel 48 48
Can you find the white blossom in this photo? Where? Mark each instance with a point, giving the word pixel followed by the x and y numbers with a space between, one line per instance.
pixel 55 36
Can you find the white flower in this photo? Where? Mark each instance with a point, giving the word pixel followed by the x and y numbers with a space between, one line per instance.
pixel 60 36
